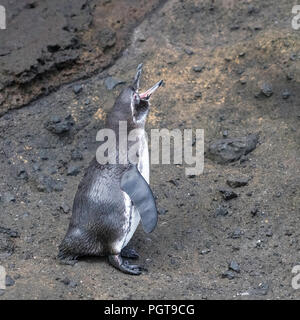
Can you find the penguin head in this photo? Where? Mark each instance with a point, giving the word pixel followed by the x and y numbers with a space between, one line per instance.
pixel 133 106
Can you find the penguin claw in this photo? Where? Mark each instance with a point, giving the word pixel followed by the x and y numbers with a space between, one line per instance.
pixel 129 253
pixel 124 266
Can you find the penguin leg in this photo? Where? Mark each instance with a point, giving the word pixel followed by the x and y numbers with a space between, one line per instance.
pixel 129 253
pixel 124 266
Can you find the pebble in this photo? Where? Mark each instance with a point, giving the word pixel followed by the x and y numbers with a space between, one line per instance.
pixel 231 149
pixel 286 94
pixel 266 89
pixel 221 211
pixel 236 182
pixel 234 266
pixel 73 170
pixel 228 194
pixel 228 274
pixel 9 281
pixel 198 68
pixel 77 88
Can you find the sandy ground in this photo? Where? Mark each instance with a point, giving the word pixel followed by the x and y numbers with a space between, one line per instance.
pixel 230 68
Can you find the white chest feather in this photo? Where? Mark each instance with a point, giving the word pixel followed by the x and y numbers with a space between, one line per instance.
pixel 132 215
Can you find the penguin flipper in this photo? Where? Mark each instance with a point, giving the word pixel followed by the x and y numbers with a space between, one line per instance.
pixel 137 188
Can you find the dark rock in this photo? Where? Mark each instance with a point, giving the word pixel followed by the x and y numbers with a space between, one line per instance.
pixel 9 281
pixel 228 274
pixel 8 197
pixel 269 233
pixel 237 233
pixel 236 182
pixel 58 126
pixel 286 94
pixel 221 211
pixel 174 182
pixel 252 9
pixel 266 89
pixel 9 232
pixel 232 149
pixel 66 281
pixel 198 68
pixel 77 88
pixel 162 211
pixel 198 95
pixel 22 173
pixel 48 184
pixel 234 27
pixel 111 82
pixel 188 51
pixel 228 194
pixel 76 155
pixel 44 154
pixel 106 38
pixel 73 170
pixel 7 246
pixel 234 266
pixel 64 208
pixel 254 211
pixel 261 290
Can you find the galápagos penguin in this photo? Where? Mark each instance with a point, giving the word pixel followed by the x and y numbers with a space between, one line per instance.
pixel 112 198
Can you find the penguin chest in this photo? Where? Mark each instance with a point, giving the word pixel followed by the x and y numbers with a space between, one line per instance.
pixel 131 214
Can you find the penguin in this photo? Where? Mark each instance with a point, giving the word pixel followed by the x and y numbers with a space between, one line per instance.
pixel 112 199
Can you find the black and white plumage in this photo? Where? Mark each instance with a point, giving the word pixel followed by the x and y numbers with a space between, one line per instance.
pixel 112 198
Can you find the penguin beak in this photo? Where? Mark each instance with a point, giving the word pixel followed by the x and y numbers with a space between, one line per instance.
pixel 147 94
pixel 136 82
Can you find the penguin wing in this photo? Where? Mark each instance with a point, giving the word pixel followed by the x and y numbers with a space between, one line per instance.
pixel 137 188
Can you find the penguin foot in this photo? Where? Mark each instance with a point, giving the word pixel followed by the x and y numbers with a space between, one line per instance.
pixel 69 260
pixel 129 253
pixel 124 266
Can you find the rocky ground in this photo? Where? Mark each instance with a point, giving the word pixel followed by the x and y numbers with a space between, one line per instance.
pixel 230 68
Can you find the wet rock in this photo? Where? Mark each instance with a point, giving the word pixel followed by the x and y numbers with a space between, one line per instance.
pixel 77 88
pixel 58 126
pixel 228 274
pixel 111 82
pixel 221 211
pixel 233 265
pixel 228 194
pixel 231 149
pixel 9 281
pixel 73 170
pixel 236 182
pixel 286 94
pixel 266 89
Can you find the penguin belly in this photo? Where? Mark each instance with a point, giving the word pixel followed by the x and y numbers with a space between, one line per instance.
pixel 131 213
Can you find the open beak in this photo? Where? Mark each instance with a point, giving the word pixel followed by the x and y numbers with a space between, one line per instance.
pixel 136 84
pixel 147 94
